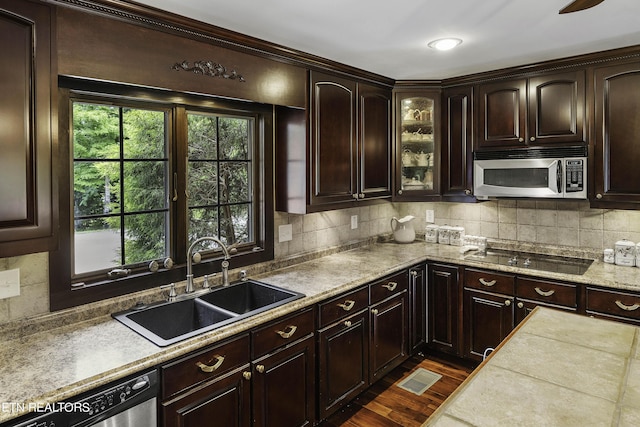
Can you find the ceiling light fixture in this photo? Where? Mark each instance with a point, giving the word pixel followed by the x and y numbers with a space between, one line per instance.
pixel 445 44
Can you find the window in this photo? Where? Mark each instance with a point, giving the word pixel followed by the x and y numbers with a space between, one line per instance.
pixel 142 176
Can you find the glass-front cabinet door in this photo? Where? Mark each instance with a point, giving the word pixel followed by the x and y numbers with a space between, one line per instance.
pixel 417 142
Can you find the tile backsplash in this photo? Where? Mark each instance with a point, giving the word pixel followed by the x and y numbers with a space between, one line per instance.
pixel 567 223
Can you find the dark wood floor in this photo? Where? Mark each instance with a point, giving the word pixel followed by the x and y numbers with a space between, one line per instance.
pixel 386 405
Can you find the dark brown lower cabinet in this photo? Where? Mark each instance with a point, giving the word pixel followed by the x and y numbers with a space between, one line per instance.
pixel 389 326
pixel 443 290
pixel 418 307
pixel 488 319
pixel 222 402
pixel 284 387
pixel 343 353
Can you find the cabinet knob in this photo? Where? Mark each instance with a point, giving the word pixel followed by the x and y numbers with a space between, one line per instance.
pixel 507 302
pixel 374 311
pixel 347 323
pixel 362 195
pixel 467 192
pixel 399 191
pixel 260 369
pixel 355 196
pixel 246 375
pixel 520 139
pixel 414 273
pixel 533 138
pixel 598 196
pixel 520 305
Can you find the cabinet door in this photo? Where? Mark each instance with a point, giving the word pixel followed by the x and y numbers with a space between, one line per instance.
pixel 418 305
pixel 417 117
pixel 557 108
pixel 488 319
pixel 284 387
pixel 501 117
pixel 616 177
pixel 457 147
pixel 442 285
pixel 28 209
pixel 343 353
pixel 389 335
pixel 333 139
pixel 374 150
pixel 224 402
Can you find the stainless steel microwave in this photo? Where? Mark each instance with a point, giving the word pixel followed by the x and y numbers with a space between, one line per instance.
pixel 559 172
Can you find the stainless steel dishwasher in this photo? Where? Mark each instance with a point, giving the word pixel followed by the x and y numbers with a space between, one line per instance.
pixel 131 402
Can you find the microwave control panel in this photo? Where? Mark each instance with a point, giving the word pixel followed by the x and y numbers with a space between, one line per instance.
pixel 574 175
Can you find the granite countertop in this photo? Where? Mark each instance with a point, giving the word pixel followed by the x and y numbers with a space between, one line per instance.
pixel 555 369
pixel 59 355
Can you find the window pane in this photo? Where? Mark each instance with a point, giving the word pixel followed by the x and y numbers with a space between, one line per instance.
pixel 203 135
pixel 203 185
pixel 234 138
pixel 96 247
pixel 144 134
pixel 96 131
pixel 145 186
pixel 234 182
pixel 96 188
pixel 235 226
pixel 145 237
pixel 202 222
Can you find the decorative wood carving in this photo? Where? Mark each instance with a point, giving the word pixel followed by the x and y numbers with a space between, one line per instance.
pixel 208 68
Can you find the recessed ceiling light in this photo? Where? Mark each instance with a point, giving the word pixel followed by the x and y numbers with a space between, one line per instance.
pixel 445 44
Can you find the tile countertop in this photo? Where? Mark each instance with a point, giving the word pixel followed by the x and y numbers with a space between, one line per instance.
pixel 59 355
pixel 555 369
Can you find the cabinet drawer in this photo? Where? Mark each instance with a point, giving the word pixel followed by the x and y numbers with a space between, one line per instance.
pixel 343 306
pixel 390 286
pixel 614 303
pixel 282 332
pixel 192 370
pixel 549 292
pixel 489 281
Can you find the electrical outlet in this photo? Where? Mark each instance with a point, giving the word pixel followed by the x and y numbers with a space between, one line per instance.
pixel 430 216
pixel 285 233
pixel 354 222
pixel 10 283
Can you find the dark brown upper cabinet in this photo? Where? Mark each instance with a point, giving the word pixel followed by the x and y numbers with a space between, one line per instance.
pixel 615 175
pixel 417 147
pixel 457 144
pixel 28 216
pixel 546 109
pixel 337 152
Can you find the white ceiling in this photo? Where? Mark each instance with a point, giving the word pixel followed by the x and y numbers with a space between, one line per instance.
pixel 390 37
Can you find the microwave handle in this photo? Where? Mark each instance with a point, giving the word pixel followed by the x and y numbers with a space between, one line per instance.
pixel 559 177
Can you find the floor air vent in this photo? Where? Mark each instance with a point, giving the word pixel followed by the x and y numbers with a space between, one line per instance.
pixel 419 381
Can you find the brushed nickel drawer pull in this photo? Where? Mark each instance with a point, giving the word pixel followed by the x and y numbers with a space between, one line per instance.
pixel 347 305
pixel 487 283
pixel 633 307
pixel 289 334
pixel 391 286
pixel 544 293
pixel 211 368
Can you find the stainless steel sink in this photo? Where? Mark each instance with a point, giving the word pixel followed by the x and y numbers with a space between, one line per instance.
pixel 166 323
pixel 533 261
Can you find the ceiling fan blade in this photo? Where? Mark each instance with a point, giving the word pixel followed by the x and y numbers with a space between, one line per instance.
pixel 577 5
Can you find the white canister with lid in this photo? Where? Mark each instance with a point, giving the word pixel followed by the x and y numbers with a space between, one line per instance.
pixel 609 256
pixel 431 233
pixel 444 234
pixel 625 253
pixel 456 236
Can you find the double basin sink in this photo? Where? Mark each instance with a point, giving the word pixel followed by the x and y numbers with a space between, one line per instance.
pixel 170 322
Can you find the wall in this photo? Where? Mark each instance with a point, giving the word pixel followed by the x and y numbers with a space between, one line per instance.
pixel 568 223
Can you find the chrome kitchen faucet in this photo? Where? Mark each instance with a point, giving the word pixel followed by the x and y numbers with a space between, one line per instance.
pixel 225 263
